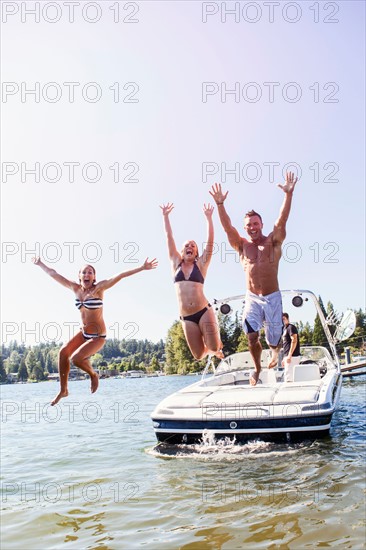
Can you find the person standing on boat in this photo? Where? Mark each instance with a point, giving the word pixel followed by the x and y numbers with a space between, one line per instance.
pixel 92 335
pixel 260 256
pixel 291 347
pixel 198 319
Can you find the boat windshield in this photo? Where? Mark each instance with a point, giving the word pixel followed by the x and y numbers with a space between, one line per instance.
pixel 240 361
pixel 315 354
pixel 243 360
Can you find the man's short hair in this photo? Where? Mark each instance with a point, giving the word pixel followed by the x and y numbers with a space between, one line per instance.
pixel 285 315
pixel 253 213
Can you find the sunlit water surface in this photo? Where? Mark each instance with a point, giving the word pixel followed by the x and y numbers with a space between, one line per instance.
pixel 88 474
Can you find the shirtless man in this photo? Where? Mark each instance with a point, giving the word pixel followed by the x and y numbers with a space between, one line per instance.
pixel 260 256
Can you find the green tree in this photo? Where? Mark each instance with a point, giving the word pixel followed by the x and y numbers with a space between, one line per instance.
pixel 184 368
pixel 124 365
pixel 170 369
pixel 154 364
pixel 231 332
pixel 237 333
pixel 49 364
pixel 23 371
pixel 13 346
pixel 177 351
pixel 305 334
pixel 3 375
pixel 31 363
pixel 37 372
pixel 39 353
pixel 96 360
pixel 242 344
pixel 319 337
pixel 361 319
pixel 360 331
pixel 226 330
pixel 13 361
pixel 132 364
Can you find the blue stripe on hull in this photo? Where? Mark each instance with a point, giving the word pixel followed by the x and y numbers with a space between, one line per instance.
pixel 310 427
pixel 253 424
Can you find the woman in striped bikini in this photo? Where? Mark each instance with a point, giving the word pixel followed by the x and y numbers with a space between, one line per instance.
pixel 199 321
pixel 91 338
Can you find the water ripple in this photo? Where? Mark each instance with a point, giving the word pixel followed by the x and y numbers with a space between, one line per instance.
pixel 106 484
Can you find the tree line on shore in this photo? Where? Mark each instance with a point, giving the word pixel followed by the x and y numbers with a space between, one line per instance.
pixel 36 363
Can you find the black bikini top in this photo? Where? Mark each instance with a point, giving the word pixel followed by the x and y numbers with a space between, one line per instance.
pixel 195 277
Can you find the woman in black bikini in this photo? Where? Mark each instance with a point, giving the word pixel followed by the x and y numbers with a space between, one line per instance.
pixel 91 338
pixel 198 318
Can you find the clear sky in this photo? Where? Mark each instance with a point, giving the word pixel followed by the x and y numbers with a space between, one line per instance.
pixel 144 88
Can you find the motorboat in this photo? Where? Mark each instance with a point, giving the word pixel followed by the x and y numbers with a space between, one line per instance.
pixel 135 374
pixel 223 404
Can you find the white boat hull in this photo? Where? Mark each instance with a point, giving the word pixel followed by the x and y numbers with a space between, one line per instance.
pixel 270 411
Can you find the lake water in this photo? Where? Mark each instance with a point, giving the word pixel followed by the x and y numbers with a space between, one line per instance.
pixel 86 475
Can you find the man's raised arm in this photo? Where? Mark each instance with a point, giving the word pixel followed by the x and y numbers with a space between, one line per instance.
pixel 219 197
pixel 279 231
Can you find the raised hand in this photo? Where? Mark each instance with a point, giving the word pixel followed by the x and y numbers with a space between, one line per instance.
pixel 217 193
pixel 208 210
pixel 290 183
pixel 150 265
pixel 167 208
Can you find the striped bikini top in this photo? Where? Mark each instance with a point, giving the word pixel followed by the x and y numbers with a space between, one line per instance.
pixel 89 303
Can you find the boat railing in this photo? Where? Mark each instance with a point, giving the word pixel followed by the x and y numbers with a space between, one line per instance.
pixel 344 328
pixel 209 366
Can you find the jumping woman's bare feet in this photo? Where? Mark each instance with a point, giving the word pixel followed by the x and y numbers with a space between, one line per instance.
pixel 94 378
pixel 59 396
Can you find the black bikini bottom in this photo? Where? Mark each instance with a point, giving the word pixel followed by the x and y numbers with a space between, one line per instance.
pixel 195 317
